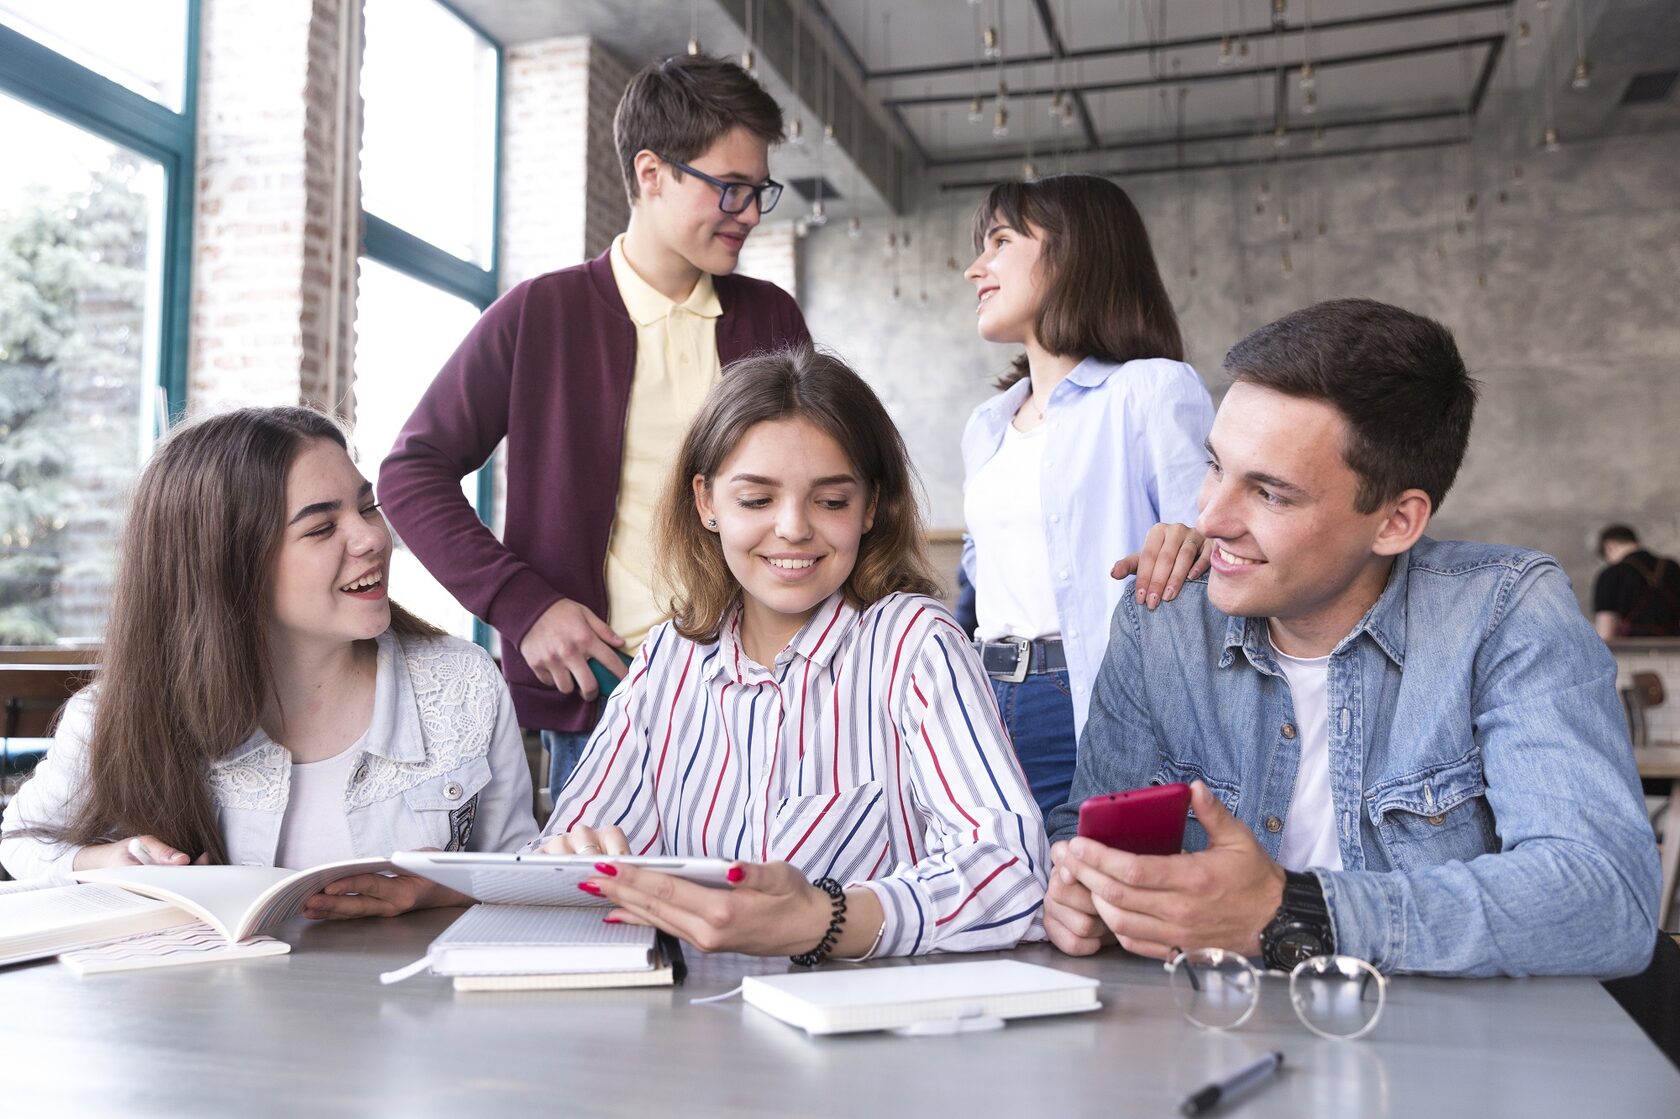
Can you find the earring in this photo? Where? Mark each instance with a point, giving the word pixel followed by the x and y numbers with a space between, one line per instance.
pixel 711 523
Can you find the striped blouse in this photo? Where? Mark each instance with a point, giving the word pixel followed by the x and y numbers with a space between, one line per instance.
pixel 870 752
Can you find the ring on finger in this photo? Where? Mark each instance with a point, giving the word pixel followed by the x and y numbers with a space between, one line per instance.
pixel 589 849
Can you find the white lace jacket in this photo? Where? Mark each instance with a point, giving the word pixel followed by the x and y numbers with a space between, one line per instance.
pixel 442 766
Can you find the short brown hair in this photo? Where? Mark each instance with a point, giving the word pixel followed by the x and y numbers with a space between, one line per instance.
pixel 1103 292
pixel 679 107
pixel 1396 377
pixel 796 383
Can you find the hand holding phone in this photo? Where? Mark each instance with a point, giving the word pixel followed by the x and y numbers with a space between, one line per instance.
pixel 1146 821
pixel 604 678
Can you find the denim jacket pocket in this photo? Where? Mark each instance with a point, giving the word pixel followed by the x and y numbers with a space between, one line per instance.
pixel 809 831
pixel 1434 816
pixel 1172 772
pixel 444 807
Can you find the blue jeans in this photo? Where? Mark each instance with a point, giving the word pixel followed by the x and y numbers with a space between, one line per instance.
pixel 564 748
pixel 1038 713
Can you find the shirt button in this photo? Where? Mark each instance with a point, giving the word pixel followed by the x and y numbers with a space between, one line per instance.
pixel 1273 824
pixel 1288 730
pixel 1062 574
pixel 452 791
pixel 1055 518
pixel 1438 819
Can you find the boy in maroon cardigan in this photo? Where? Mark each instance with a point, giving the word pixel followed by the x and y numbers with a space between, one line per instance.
pixel 587 371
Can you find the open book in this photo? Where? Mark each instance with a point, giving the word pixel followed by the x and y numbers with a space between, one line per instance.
pixel 237 901
pixel 233 902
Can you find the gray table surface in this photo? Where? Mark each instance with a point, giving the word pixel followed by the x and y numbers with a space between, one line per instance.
pixel 313 1033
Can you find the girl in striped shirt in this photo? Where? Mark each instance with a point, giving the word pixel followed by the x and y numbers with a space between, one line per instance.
pixel 810 711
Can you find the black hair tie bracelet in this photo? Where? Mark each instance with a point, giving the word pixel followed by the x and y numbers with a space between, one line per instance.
pixel 837 893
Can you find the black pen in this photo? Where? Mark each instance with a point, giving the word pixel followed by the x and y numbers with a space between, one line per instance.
pixel 1238 1082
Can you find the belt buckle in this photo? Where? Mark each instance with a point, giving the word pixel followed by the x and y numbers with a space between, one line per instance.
pixel 1023 661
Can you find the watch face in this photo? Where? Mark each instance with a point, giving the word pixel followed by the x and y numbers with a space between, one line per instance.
pixel 1297 943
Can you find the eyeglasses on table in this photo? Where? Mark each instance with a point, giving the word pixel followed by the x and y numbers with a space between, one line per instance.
pixel 1338 997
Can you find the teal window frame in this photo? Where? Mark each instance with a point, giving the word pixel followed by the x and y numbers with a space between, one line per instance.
pixel 419 259
pixel 40 76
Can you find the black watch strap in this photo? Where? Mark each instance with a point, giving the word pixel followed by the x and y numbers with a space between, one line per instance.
pixel 1301 929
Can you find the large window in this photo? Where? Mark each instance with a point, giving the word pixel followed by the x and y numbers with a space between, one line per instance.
pixel 431 95
pixel 95 208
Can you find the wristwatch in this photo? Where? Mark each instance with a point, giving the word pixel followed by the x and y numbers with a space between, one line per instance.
pixel 1301 929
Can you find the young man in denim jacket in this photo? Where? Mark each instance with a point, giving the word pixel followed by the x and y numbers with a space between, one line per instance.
pixel 1401 749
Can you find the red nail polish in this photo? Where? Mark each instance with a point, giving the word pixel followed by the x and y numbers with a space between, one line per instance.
pixel 590 888
pixel 611 921
pixel 607 869
pixel 735 874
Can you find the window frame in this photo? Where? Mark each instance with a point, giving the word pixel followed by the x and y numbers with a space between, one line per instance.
pixel 55 84
pixel 396 248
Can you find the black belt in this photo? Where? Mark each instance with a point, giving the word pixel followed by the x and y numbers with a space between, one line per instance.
pixel 1015 658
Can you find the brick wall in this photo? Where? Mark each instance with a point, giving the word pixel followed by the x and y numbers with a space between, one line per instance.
pixel 562 195
pixel 772 253
pixel 272 283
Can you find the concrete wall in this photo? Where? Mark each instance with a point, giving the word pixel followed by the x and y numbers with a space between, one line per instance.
pixel 1575 335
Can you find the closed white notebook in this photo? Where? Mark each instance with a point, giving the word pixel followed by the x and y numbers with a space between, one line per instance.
pixel 886 998
pixel 537 939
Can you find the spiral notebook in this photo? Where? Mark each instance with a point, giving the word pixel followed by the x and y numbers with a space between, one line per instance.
pixel 547 947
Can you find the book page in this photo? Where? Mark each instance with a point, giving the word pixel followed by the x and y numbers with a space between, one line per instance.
pixel 285 898
pixel 36 923
pixel 236 901
pixel 172 947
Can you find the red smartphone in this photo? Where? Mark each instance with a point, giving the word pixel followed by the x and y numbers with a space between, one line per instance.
pixel 1147 821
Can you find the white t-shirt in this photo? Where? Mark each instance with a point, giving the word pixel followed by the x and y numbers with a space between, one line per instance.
pixel 315 829
pixel 1309 831
pixel 1004 508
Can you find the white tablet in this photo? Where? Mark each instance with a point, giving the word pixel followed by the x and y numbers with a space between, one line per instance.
pixel 540 879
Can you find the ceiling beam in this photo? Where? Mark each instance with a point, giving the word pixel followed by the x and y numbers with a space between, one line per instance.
pixel 1237 162
pixel 1058 50
pixel 1231 135
pixel 1375 19
pixel 1322 62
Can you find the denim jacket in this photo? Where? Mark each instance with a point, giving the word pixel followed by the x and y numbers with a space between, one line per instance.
pixel 1485 796
pixel 443 765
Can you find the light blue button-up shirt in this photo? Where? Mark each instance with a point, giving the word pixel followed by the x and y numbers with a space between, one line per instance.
pixel 1486 801
pixel 1125 452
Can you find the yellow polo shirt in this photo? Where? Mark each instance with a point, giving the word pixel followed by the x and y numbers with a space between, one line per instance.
pixel 676 364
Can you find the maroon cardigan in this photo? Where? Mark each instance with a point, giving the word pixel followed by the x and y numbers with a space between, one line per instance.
pixel 549 367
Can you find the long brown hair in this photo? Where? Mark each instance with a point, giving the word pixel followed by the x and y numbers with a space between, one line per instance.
pixel 796 383
pixel 185 670
pixel 1103 295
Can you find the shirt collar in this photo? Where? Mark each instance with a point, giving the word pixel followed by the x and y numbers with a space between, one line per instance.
pixel 817 641
pixel 646 305
pixel 1091 372
pixel 1385 621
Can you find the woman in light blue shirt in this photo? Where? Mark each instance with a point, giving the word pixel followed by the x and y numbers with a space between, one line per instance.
pixel 1097 436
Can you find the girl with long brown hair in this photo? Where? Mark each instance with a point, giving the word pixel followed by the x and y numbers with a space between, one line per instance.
pixel 260 699
pixel 810 712
pixel 1096 437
